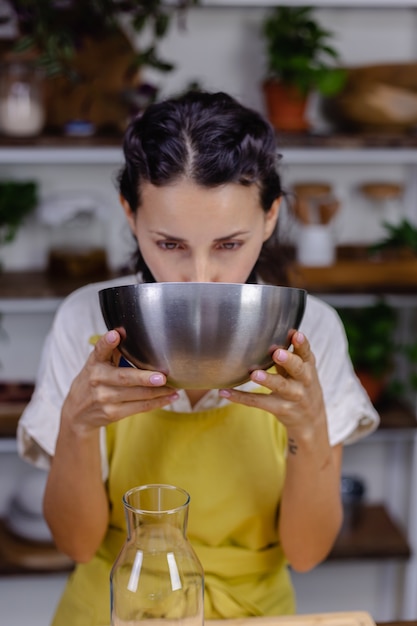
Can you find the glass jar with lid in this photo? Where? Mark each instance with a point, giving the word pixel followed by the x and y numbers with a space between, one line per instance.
pixel 387 198
pixel 22 110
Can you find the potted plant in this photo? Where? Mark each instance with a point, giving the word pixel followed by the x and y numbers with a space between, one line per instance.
pixel 375 352
pixel 86 51
pixel 17 200
pixel 300 60
pixel 370 334
pixel 400 240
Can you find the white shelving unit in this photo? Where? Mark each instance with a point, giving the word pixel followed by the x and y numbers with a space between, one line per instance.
pixel 292 156
pixel 46 155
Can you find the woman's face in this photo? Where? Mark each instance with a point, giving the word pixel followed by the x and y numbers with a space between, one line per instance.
pixel 188 233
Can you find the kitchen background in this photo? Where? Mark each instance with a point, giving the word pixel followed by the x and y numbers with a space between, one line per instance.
pixel 221 47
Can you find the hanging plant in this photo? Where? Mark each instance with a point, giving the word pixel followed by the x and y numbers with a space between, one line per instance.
pixel 56 29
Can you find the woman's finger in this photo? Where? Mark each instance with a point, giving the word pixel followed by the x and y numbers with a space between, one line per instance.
pixel 104 350
pixel 301 346
pixel 131 377
pixel 109 393
pixel 119 410
pixel 268 402
pixel 105 346
pixel 297 364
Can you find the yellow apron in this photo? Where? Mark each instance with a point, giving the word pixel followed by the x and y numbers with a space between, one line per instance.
pixel 232 462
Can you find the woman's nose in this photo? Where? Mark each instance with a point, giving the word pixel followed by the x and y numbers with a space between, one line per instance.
pixel 201 271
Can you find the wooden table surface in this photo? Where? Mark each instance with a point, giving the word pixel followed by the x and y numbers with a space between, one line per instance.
pixel 399 623
pixel 345 618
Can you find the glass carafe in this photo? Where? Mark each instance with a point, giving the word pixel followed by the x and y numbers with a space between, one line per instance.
pixel 157 576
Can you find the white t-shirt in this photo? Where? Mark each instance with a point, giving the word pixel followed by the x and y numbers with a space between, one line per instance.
pixel 350 413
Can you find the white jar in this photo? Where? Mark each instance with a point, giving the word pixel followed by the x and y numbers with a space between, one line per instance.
pixel 315 245
pixel 22 111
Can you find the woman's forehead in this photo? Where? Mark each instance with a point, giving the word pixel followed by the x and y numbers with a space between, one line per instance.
pixel 179 210
pixel 186 193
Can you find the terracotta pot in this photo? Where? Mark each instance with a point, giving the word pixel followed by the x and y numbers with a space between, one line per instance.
pixel 374 387
pixel 286 106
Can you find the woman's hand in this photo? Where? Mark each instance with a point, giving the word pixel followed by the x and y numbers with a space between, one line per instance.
pixel 103 392
pixel 310 510
pixel 296 397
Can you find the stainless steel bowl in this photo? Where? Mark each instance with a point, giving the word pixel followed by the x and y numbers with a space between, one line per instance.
pixel 202 335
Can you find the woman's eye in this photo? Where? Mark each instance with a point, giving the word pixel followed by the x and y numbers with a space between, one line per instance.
pixel 168 245
pixel 230 245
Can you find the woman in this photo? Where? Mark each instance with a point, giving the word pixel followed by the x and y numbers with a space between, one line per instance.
pixel 201 194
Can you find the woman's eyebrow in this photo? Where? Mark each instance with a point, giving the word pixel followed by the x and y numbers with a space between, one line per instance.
pixel 167 236
pixel 238 233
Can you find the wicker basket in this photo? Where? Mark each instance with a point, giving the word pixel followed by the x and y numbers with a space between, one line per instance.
pixel 377 98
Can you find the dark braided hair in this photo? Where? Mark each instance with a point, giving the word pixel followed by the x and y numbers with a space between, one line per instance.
pixel 208 138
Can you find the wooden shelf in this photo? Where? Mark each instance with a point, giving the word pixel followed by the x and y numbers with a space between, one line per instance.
pixel 340 140
pixel 344 277
pixel 18 556
pixel 10 413
pixel 356 276
pixel 348 141
pixel 373 534
pixel 40 285
pixel 13 399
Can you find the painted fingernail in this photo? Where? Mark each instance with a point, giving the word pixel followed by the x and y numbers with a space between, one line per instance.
pixel 281 355
pixel 174 396
pixel 111 336
pixel 299 337
pixel 156 379
pixel 224 393
pixel 259 375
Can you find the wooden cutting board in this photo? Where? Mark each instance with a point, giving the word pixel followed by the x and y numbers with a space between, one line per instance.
pixel 349 618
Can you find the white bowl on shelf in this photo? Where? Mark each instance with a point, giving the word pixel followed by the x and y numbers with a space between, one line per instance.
pixel 27 526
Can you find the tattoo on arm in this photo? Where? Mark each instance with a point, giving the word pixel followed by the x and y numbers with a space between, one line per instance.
pixel 292 446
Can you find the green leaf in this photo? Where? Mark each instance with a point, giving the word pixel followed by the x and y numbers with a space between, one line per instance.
pixel 402 235
pixel 17 201
pixel 413 381
pixel 161 25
